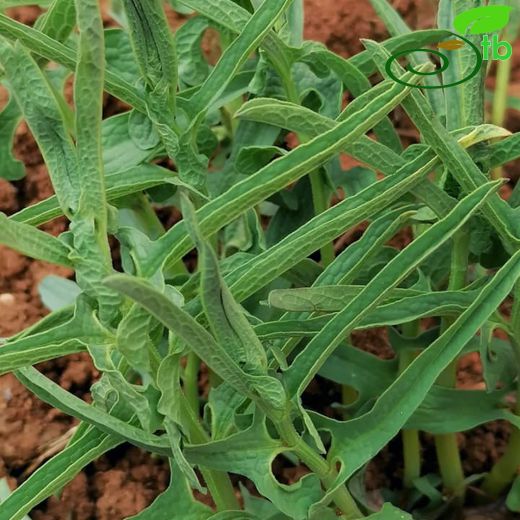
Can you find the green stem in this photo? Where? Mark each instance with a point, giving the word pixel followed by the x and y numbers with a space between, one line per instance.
pixel 191 381
pixel 500 101
pixel 218 482
pixel 505 470
pixel 327 474
pixel 320 201
pixel 410 438
pixel 448 456
pixel 411 456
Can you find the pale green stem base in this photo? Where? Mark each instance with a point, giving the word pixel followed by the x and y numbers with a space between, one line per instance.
pixel 410 438
pixel 500 101
pixel 412 457
pixel 218 483
pixel 191 381
pixel 505 470
pixel 448 455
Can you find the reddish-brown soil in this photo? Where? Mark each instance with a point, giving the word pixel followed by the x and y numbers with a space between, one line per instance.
pixel 125 481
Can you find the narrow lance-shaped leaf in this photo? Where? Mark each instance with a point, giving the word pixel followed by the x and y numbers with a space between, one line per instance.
pixel 454 157
pixel 265 390
pixel 349 263
pixel 71 335
pixel 356 441
pixel 443 303
pixel 226 318
pixel 372 153
pixel 309 361
pixel 40 109
pixel 88 98
pixel 270 179
pixel 33 242
pixel 154 47
pixel 53 394
pixel 118 185
pixel 335 298
pixel 325 227
pixel 192 165
pixel 52 50
pixel 89 225
pixel 237 53
pixel 56 473
pixel 234 17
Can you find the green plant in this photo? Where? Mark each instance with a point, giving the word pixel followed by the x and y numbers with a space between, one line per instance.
pixel 148 329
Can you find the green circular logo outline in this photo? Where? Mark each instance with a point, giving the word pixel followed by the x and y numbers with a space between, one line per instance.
pixel 445 64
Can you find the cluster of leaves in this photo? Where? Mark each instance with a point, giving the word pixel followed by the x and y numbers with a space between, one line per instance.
pixel 263 315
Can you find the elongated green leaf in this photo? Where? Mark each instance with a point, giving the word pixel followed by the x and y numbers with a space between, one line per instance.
pixel 349 263
pixel 42 113
pixel 356 441
pixel 326 227
pixel 24 353
pixel 455 158
pixel 332 298
pixel 374 154
pixel 237 53
pixel 264 389
pixel 153 46
pixel 56 396
pixel 270 179
pixel 308 362
pixel 234 17
pixel 88 98
pixel 56 473
pixel 118 185
pixel 33 242
pixel 225 317
pixel 400 311
pixel 89 224
pixel 323 298
pixel 52 50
